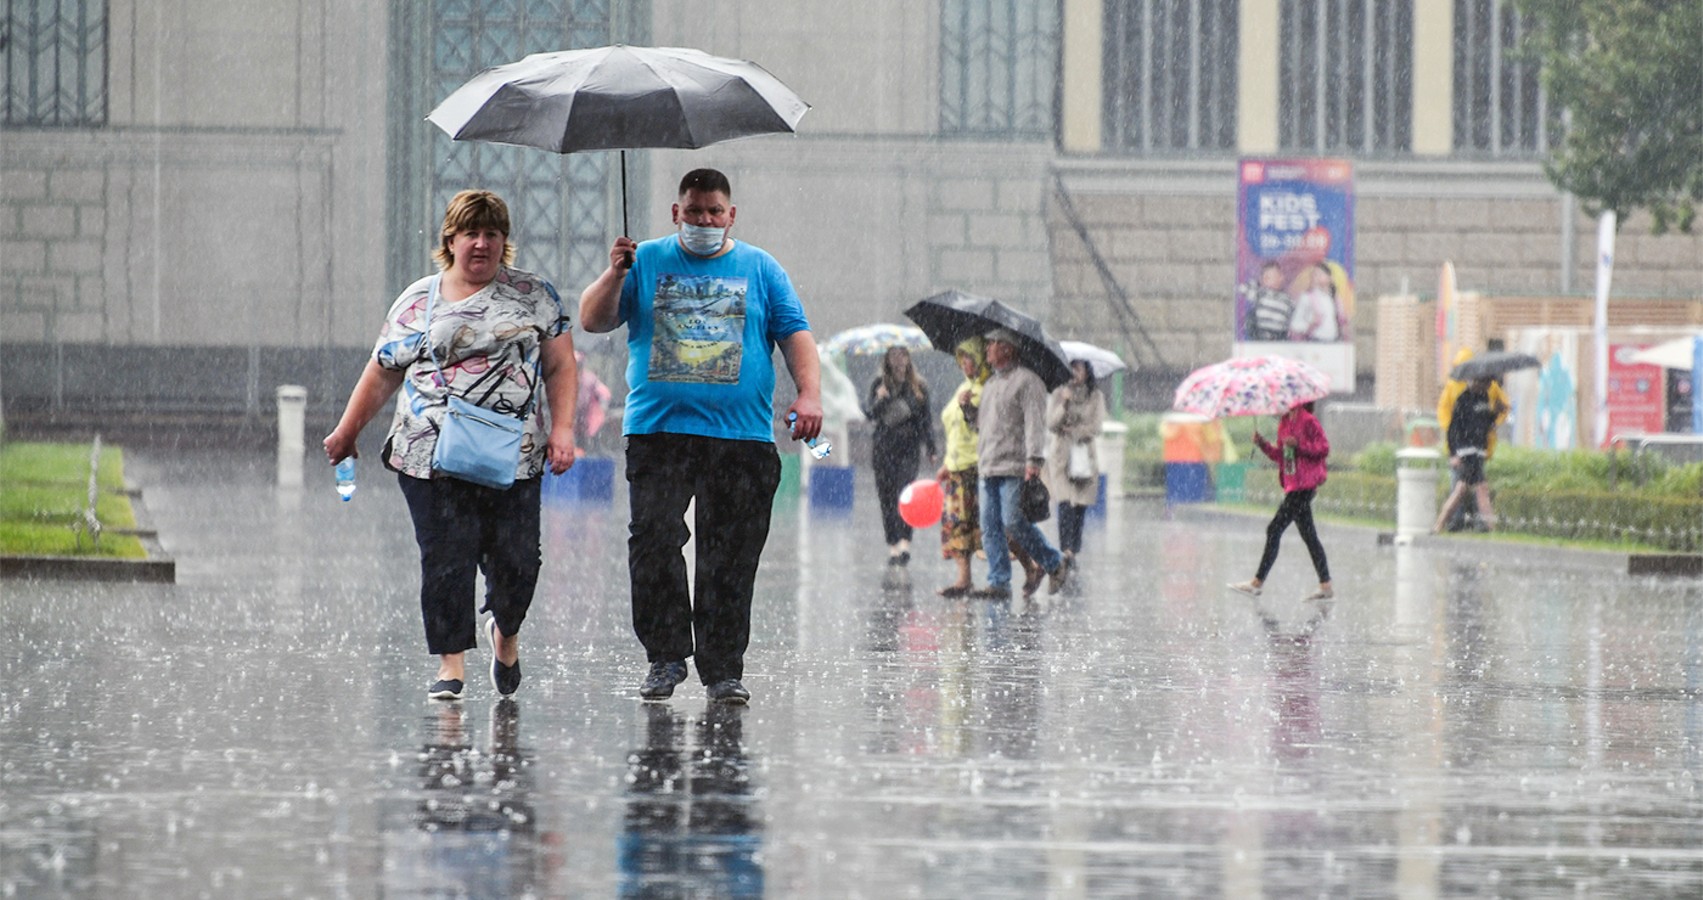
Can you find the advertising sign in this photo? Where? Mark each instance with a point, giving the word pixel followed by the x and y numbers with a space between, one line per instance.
pixel 1634 393
pixel 1295 263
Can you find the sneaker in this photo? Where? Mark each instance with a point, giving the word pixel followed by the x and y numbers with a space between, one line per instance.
pixel 1323 593
pixel 992 592
pixel 445 689
pixel 729 690
pixel 506 679
pixel 664 675
pixel 1057 577
pixel 1245 587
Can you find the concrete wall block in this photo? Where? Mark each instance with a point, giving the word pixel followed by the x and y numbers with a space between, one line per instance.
pixel 1124 245
pixel 83 326
pixel 1491 248
pixel 91 220
pixel 1098 211
pixel 22 185
pixel 1000 230
pixel 25 257
pixel 1214 247
pixel 1663 251
pixel 1167 280
pixel 77 257
pixel 962 266
pixel 949 229
pixel 1432 248
pixel 963 195
pixel 1024 196
pixel 9 227
pixel 1395 214
pixel 1023 266
pixel 1182 210
pixel 23 324
pixel 1463 213
pixel 1685 284
pixel 49 220
pixel 1634 283
pixel 1203 314
pixel 77 185
pixel 1372 247
pixel 1540 250
pixel 1526 215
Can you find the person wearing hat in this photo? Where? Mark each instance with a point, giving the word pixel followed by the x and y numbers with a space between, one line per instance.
pixel 1010 450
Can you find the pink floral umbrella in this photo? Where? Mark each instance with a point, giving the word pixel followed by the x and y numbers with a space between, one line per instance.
pixel 1250 386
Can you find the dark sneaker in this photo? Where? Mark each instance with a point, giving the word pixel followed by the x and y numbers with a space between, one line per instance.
pixel 506 679
pixel 1057 577
pixel 993 592
pixel 445 689
pixel 659 684
pixel 729 690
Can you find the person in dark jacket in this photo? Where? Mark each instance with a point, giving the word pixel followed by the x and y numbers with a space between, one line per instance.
pixel 1470 427
pixel 1300 454
pixel 898 405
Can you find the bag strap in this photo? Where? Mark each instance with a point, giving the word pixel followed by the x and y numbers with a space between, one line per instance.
pixel 537 364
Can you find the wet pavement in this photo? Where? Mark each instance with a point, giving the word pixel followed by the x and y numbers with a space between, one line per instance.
pixel 1465 718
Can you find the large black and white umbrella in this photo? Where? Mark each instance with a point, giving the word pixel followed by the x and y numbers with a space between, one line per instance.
pixel 619 98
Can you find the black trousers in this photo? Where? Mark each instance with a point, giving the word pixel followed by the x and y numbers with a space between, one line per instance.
pixel 1070 518
pixel 1297 507
pixel 463 528
pixel 895 467
pixel 733 483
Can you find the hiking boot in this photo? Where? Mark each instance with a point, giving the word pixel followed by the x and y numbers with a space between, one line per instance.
pixel 445 689
pixel 505 678
pixel 664 675
pixel 1245 587
pixel 729 690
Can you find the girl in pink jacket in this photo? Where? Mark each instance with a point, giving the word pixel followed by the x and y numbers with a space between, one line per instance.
pixel 1300 454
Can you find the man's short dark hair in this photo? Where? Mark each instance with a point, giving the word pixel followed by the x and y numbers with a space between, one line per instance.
pixel 707 181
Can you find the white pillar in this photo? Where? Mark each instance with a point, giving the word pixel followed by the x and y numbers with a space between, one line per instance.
pixel 292 413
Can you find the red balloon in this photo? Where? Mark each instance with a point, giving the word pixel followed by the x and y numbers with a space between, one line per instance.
pixel 921 502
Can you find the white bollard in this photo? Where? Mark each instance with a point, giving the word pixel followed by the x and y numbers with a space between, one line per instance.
pixel 1109 447
pixel 292 413
pixel 1416 492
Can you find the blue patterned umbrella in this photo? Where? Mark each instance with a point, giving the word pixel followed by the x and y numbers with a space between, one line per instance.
pixel 871 340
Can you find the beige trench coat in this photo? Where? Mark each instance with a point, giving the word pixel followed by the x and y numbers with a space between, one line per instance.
pixel 1071 418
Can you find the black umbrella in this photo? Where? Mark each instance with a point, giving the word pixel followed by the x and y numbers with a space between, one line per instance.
pixel 951 317
pixel 1496 362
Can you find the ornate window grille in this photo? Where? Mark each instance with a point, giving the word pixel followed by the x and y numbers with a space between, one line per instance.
pixel 1345 69
pixel 998 67
pixel 559 205
pixel 1499 106
pixel 1170 75
pixel 53 55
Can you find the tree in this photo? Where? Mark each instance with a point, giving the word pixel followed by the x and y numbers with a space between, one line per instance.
pixel 1628 75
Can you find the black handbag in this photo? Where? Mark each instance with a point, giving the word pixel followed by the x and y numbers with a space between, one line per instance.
pixel 1034 500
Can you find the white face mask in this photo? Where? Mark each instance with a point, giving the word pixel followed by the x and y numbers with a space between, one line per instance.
pixel 701 241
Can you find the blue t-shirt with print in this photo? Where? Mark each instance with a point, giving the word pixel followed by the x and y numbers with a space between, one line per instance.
pixel 701 335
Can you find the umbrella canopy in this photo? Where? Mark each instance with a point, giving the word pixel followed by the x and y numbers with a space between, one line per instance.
pixel 1674 354
pixel 1497 362
pixel 948 318
pixel 1250 386
pixel 619 98
pixel 871 340
pixel 1101 362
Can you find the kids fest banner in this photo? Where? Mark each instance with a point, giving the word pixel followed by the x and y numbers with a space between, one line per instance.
pixel 1295 263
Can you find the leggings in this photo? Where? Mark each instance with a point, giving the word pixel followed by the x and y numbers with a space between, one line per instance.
pixel 1297 507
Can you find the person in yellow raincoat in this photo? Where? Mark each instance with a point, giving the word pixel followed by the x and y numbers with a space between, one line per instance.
pixel 1452 390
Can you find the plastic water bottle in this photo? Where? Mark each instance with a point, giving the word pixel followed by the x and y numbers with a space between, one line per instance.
pixel 346 478
pixel 819 446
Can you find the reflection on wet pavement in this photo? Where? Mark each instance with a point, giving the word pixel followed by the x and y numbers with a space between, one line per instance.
pixel 1464 718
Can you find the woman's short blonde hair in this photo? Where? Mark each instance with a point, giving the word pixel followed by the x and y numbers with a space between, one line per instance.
pixel 472 210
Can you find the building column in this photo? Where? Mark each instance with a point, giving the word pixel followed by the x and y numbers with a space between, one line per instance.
pixel 1083 47
pixel 1433 79
pixel 1256 77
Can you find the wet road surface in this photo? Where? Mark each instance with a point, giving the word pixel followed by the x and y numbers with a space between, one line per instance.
pixel 1465 718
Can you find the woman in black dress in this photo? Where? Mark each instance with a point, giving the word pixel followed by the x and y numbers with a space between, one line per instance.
pixel 898 405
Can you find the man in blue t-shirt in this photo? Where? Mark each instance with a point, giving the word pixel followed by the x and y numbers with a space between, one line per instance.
pixel 704 314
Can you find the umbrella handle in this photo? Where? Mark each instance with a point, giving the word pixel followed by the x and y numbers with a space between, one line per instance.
pixel 627 258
